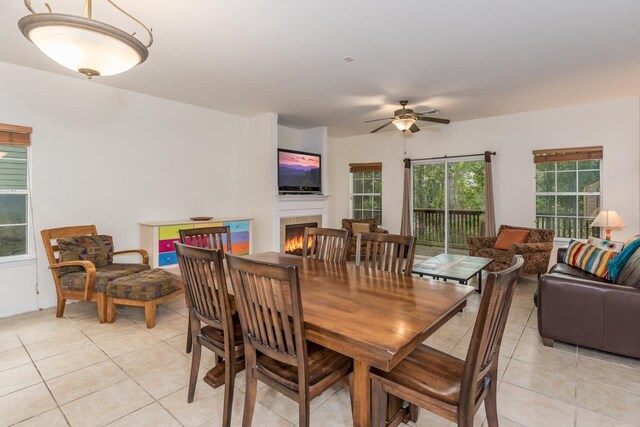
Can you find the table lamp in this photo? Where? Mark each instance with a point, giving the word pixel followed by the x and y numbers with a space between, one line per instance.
pixel 608 220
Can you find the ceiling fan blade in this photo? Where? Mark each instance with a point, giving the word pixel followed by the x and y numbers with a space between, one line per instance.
pixel 435 120
pixel 377 120
pixel 432 111
pixel 414 128
pixel 383 126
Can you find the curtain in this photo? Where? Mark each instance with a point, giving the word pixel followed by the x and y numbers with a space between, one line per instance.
pixel 405 225
pixel 490 212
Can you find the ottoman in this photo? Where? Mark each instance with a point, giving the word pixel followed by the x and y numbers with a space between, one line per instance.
pixel 144 289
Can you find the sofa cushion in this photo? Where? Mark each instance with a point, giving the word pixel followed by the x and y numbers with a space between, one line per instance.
pixel 347 223
pixel 97 249
pixel 616 264
pixel 589 258
pixel 509 236
pixel 630 273
pixel 142 286
pixel 568 270
pixel 360 227
pixel 608 245
pixel 74 281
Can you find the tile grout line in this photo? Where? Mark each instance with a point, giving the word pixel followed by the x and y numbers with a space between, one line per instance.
pixel 45 384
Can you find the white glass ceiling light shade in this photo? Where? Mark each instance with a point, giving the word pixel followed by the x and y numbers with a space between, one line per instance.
pixel 85 45
pixel 403 124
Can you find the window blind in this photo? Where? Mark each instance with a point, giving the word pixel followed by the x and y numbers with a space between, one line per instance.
pixel 13 135
pixel 567 154
pixel 365 167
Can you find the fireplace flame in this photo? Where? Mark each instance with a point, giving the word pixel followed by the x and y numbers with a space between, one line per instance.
pixel 294 244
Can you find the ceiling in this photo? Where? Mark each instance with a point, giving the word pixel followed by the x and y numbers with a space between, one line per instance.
pixel 468 59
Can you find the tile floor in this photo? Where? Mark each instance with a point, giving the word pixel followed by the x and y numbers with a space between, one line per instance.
pixel 74 371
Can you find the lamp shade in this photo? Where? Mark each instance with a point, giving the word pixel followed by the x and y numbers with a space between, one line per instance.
pixel 608 219
pixel 403 124
pixel 84 45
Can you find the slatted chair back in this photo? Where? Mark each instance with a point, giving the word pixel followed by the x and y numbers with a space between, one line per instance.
pixel 207 237
pixel 481 363
pixel 270 309
pixel 387 252
pixel 205 283
pixel 326 244
pixel 49 237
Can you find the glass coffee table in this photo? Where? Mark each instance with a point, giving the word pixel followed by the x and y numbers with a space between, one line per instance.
pixel 453 267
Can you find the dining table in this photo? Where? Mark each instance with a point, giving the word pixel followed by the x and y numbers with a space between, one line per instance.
pixel 374 317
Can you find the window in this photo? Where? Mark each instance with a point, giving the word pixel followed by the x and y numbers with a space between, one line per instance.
pixel 366 190
pixel 14 193
pixel 568 191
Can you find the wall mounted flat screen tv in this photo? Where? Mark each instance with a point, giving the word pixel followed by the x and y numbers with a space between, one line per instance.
pixel 299 172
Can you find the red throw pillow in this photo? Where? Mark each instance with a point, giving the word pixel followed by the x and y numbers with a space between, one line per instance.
pixel 509 236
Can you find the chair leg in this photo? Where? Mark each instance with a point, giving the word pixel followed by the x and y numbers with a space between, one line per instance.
pixel 150 314
pixel 491 404
pixel 101 301
pixel 189 342
pixel 251 389
pixel 414 412
pixel 60 307
pixel 229 380
pixel 305 412
pixel 379 401
pixel 195 361
pixel 111 310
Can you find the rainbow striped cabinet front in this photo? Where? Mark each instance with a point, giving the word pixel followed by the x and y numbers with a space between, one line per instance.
pixel 157 238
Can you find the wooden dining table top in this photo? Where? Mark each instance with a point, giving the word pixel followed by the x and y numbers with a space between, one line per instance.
pixel 372 316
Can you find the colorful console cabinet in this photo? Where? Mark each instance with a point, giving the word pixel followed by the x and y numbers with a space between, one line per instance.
pixel 158 237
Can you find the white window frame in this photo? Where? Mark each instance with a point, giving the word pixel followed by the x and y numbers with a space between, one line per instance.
pixel 351 194
pixel 565 193
pixel 29 236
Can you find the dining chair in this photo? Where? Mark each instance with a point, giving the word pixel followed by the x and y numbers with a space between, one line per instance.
pixel 276 350
pixel 205 237
pixel 326 244
pixel 445 385
pixel 209 302
pixel 387 252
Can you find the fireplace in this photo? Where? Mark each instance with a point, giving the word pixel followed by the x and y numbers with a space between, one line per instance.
pixel 294 237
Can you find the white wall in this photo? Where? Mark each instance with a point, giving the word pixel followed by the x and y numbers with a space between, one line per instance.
pixel 289 138
pixel 614 124
pixel 110 157
pixel 262 177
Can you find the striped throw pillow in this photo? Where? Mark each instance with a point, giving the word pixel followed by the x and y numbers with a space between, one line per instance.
pixel 589 258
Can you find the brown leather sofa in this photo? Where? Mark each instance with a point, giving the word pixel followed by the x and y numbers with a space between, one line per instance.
pixel 582 309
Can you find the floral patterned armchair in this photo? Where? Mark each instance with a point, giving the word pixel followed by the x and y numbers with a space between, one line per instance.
pixel 536 250
pixel 347 224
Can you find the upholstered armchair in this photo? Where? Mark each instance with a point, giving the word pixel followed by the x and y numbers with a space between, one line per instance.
pixel 536 250
pixel 347 224
pixel 88 266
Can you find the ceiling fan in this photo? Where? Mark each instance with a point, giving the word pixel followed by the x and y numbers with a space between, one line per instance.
pixel 405 119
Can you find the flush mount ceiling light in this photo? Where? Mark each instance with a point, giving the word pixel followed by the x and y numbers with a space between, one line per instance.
pixel 83 44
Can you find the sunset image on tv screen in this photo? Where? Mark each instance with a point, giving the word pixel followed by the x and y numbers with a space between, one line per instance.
pixel 298 170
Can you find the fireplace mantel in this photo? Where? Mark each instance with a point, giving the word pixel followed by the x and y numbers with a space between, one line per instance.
pixel 301 197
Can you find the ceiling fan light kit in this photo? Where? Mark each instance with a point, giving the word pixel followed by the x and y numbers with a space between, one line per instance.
pixel 404 124
pixel 83 44
pixel 405 119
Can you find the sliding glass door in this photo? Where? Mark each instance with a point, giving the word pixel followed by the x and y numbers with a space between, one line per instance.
pixel 448 204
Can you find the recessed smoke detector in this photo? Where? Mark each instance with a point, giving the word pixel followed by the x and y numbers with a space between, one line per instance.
pixel 348 59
